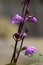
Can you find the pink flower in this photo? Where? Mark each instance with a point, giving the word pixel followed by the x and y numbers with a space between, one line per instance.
pixel 32 19
pixel 17 19
pixel 30 50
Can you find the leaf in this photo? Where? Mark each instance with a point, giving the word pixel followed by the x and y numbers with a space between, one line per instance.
pixel 38 57
pixel 11 64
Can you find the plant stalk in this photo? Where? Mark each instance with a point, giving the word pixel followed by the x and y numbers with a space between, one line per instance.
pixel 19 50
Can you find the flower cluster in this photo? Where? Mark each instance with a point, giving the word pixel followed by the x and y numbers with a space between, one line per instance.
pixel 19 36
pixel 17 19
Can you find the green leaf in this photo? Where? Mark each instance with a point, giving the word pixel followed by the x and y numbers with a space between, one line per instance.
pixel 38 57
pixel 11 64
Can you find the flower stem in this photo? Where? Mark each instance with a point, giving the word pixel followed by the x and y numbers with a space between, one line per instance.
pixel 19 30
pixel 13 57
pixel 20 27
pixel 19 50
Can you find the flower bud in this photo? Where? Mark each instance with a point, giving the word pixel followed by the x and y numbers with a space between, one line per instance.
pixel 16 35
pixel 34 20
pixel 24 35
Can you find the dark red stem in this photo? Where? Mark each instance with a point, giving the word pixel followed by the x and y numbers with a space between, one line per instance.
pixel 19 50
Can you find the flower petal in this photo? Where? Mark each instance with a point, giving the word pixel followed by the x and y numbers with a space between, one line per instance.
pixel 17 19
pixel 30 50
pixel 24 34
pixel 32 19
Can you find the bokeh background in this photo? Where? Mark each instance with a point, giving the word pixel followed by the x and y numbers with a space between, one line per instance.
pixel 8 8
